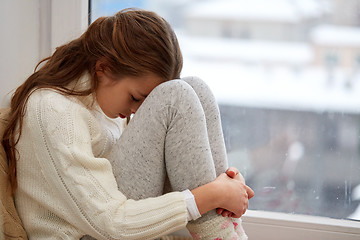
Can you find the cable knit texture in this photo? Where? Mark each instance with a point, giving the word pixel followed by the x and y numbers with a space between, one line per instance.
pixel 70 152
pixel 10 224
pixel 66 186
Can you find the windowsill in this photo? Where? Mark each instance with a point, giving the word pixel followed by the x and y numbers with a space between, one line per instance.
pixel 266 225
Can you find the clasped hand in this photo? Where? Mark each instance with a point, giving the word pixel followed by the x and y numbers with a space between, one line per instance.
pixel 237 194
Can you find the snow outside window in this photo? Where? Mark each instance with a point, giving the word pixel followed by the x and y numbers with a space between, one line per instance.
pixel 286 77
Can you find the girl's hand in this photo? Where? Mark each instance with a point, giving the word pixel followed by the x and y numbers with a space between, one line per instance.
pixel 224 192
pixel 233 172
pixel 234 195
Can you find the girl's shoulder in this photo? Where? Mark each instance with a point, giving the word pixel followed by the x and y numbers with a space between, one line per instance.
pixel 48 95
pixel 51 101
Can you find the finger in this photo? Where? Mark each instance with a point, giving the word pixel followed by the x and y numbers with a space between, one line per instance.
pixel 249 192
pixel 235 215
pixel 246 207
pixel 232 172
pixel 219 210
pixel 226 213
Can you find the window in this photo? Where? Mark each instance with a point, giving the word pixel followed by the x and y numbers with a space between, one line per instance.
pixel 288 86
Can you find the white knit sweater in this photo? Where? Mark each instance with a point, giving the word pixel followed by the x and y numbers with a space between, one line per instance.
pixel 66 186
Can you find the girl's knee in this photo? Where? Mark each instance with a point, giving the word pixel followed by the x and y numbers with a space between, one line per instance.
pixel 186 84
pixel 203 91
pixel 175 93
pixel 173 88
pixel 194 81
pixel 199 85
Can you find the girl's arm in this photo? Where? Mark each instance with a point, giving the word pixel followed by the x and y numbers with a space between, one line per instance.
pixel 81 188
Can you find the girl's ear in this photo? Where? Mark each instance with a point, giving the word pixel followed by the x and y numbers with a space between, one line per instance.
pixel 99 68
pixel 103 73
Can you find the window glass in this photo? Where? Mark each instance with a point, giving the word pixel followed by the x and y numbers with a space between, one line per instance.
pixel 286 77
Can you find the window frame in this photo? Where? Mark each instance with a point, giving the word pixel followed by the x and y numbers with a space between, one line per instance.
pixel 258 224
pixel 68 20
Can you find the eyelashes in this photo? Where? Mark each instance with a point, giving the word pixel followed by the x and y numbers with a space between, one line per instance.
pixel 134 99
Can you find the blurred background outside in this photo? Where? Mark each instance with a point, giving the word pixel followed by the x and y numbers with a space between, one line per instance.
pixel 287 80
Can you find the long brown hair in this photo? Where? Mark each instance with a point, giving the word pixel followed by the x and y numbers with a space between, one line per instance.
pixel 130 43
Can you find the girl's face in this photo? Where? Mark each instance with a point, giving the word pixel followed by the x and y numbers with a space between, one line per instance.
pixel 122 97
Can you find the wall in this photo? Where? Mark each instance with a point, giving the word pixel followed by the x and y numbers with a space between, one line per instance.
pixel 30 31
pixel 19 44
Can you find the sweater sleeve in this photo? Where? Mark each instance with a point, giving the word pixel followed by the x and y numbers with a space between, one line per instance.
pixel 90 199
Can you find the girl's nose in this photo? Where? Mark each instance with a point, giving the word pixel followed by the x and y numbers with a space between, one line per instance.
pixel 134 108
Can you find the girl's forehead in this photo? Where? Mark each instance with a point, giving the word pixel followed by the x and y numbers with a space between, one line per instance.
pixel 145 82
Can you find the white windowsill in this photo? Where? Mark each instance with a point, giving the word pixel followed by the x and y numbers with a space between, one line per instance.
pixel 271 225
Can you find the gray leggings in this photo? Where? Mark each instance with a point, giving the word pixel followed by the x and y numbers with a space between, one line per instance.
pixel 174 140
pixel 174 136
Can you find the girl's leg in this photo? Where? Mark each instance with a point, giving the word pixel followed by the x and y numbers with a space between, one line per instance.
pixel 213 122
pixel 169 135
pixel 216 140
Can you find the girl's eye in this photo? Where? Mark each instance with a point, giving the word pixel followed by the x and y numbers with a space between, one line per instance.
pixel 134 99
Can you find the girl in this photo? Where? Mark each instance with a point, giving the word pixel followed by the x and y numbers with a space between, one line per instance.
pixel 77 171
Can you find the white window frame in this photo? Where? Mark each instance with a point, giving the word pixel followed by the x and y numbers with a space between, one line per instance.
pixel 70 18
pixel 63 20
